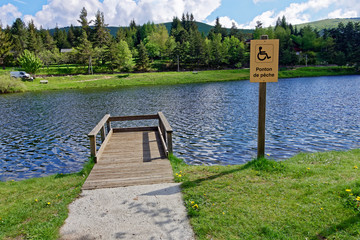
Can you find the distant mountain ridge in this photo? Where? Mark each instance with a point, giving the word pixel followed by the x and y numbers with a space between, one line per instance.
pixel 203 28
pixel 328 23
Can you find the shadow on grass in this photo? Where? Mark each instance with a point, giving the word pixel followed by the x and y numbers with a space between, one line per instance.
pixel 348 223
pixel 123 76
pixel 261 164
pixel 190 184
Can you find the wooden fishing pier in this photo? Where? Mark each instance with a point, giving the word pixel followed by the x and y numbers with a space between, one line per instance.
pixel 130 156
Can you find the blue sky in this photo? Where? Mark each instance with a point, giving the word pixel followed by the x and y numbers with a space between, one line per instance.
pixel 244 13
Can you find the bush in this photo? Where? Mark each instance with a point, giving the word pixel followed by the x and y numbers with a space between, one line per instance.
pixel 29 62
pixel 11 85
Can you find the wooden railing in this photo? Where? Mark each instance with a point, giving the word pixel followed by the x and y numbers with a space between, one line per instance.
pixel 106 131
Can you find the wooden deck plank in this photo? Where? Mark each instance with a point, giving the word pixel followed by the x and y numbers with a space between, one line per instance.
pixel 131 158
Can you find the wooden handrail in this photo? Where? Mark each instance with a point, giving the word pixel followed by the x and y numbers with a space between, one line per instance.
pixel 166 132
pixel 164 129
pixel 92 135
pixel 164 122
pixel 98 127
pixel 130 118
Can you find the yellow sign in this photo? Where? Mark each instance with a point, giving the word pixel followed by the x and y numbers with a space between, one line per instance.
pixel 264 60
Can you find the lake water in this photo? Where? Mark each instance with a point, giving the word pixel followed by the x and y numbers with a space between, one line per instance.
pixel 214 123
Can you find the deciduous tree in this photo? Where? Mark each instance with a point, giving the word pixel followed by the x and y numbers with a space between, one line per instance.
pixel 29 62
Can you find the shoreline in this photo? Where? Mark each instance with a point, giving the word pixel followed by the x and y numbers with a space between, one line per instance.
pixel 171 78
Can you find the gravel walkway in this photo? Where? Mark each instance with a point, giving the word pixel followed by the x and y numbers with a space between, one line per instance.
pixel 138 212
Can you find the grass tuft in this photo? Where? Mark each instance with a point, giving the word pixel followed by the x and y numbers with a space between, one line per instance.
pixel 36 208
pixel 309 196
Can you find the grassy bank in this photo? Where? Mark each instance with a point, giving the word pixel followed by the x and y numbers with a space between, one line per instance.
pixel 10 85
pixel 37 208
pixel 162 78
pixel 310 196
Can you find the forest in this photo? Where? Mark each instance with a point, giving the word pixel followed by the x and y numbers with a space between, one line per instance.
pixel 151 47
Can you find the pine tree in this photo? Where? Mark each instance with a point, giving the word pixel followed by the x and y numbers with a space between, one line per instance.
pixel 142 62
pixel 84 50
pixel 101 34
pixel 32 38
pixel 5 43
pixel 19 36
pixel 84 22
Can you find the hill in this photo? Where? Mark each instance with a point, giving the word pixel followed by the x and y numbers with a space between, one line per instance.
pixel 203 28
pixel 328 23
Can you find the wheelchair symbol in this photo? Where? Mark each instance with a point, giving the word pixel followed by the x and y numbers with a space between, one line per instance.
pixel 262 55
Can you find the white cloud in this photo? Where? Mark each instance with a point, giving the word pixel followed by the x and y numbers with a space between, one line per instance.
pixel 339 13
pixel 225 22
pixel 8 13
pixel 266 18
pixel 63 13
pixel 295 13
pixel 121 12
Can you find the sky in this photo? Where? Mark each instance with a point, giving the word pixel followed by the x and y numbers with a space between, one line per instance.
pixel 242 13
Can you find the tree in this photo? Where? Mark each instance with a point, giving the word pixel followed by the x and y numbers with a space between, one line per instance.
pixel 259 30
pixel 235 32
pixel 47 40
pixel 155 43
pixel 84 22
pixel 287 55
pixel 112 56
pixel 235 50
pixel 101 35
pixel 19 36
pixel 5 43
pixel 71 38
pixel 34 44
pixel 29 62
pixel 60 38
pixel 217 51
pixel 84 50
pixel 119 56
pixel 217 29
pixel 125 56
pixel 142 62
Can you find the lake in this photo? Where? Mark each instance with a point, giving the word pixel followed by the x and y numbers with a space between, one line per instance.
pixel 43 133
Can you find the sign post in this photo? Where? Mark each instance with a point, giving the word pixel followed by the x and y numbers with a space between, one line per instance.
pixel 264 64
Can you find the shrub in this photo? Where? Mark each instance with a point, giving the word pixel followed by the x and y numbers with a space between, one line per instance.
pixel 11 85
pixel 29 62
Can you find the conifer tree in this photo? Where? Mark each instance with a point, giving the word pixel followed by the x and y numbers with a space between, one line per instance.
pixel 142 62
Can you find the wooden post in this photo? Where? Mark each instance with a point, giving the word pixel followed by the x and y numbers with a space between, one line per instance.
pixel 108 126
pixel 169 142
pixel 262 119
pixel 262 116
pixel 103 134
pixel 178 63
pixel 93 147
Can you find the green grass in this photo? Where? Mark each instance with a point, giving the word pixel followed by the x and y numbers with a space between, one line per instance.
pixel 165 78
pixel 303 197
pixel 37 208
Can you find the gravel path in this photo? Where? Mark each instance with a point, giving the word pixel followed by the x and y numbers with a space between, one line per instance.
pixel 138 212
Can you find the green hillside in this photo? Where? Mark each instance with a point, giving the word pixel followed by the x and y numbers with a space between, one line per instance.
pixel 328 23
pixel 203 28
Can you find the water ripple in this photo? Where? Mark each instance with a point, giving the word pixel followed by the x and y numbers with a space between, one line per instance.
pixel 214 123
